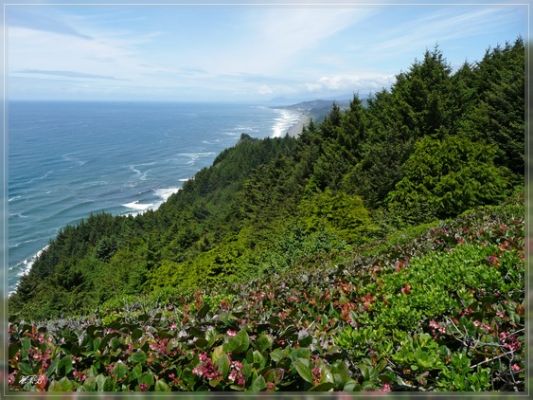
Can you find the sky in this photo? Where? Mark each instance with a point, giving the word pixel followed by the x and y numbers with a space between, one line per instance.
pixel 258 54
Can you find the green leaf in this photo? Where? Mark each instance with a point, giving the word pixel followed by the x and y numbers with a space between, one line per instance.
pixel 277 355
pixel 325 374
pixel 341 374
pixel 100 382
pixel 63 385
pixel 147 378
pixel 25 368
pixel 121 370
pixel 239 343
pixel 303 368
pixel 161 386
pixel 136 371
pixel 274 375
pixel 258 360
pixel 264 342
pixel 221 360
pixel 52 368
pixel 136 334
pixel 258 384
pixel 139 357
pixel 26 343
pixel 65 364
pixel 323 387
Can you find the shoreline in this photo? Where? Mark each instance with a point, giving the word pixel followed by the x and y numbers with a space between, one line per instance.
pixel 289 122
pixel 297 129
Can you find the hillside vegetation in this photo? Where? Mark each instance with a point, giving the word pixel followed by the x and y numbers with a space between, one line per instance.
pixel 380 250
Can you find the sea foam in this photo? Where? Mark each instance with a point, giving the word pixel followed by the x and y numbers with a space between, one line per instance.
pixel 24 266
pixel 284 122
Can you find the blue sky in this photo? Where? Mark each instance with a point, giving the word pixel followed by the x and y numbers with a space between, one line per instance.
pixel 257 54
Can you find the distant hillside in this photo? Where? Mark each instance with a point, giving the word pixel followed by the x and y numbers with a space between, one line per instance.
pixel 317 109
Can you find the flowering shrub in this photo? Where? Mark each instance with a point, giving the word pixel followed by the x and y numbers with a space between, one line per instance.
pixel 440 311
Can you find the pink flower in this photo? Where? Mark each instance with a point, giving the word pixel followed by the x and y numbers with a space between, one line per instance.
pixel 510 342
pixel 11 378
pixel 236 374
pixel 500 314
pixel 41 382
pixel 515 368
pixel 435 326
pixel 406 289
pixel 466 311
pixel 173 326
pixel 231 332
pixel 206 369
pixel 386 388
pixel 316 375
pixel 79 375
pixel 143 387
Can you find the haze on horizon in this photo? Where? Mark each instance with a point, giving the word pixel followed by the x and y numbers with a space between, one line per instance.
pixel 237 53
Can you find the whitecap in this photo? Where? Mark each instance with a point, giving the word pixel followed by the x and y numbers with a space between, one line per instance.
pixel 25 266
pixel 18 215
pixel 193 157
pixel 141 175
pixel 68 157
pixel 14 198
pixel 39 178
pixel 135 205
pixel 165 193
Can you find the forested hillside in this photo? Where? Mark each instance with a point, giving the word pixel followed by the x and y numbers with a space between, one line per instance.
pixel 376 293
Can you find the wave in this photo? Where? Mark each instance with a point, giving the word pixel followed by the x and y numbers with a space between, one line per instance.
pixel 77 161
pixel 140 208
pixel 135 205
pixel 9 200
pixel 164 194
pixel 286 120
pixel 245 128
pixel 193 157
pixel 18 215
pixel 141 175
pixel 23 267
pixel 40 178
pixel 14 246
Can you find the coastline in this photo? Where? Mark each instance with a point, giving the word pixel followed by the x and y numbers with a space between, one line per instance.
pixel 286 122
pixel 290 122
pixel 298 128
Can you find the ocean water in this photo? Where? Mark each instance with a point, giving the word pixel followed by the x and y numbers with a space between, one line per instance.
pixel 66 160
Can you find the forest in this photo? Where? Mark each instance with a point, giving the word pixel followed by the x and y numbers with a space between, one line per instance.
pixel 382 249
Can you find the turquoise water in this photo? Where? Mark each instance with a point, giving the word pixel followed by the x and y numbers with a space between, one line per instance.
pixel 66 160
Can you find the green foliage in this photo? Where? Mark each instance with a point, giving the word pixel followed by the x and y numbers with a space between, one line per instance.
pixel 337 212
pixel 327 327
pixel 443 178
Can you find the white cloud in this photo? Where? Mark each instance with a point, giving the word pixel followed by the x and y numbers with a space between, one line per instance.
pixel 438 27
pixel 363 81
pixel 274 38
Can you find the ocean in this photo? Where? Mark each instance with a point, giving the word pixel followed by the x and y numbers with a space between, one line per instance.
pixel 67 160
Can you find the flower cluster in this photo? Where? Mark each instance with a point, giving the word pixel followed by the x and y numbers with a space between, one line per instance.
pixel 436 327
pixel 236 374
pixel 160 346
pixel 509 341
pixel 206 369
